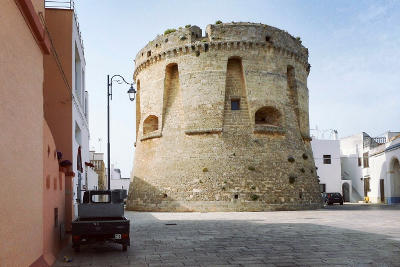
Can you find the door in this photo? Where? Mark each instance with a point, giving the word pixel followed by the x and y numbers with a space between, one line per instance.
pixel 382 189
pixel 346 192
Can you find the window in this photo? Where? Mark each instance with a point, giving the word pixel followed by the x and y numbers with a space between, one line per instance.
pixel 268 116
pixel 55 217
pixel 359 161
pixel 367 187
pixel 322 188
pixel 235 104
pixel 150 124
pixel 78 75
pixel 365 160
pixel 327 159
pixel 78 134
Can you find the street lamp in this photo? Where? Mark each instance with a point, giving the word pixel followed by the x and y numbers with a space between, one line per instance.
pixel 131 92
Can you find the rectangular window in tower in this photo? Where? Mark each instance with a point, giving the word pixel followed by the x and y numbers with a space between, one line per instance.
pixel 235 104
pixel 327 159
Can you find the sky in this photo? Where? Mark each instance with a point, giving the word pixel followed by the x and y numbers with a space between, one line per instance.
pixel 354 45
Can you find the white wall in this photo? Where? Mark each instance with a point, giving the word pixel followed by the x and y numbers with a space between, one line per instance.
pixel 351 148
pixel 93 179
pixel 122 183
pixel 381 164
pixel 79 117
pixel 329 174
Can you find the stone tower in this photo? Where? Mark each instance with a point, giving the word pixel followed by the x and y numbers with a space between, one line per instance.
pixel 222 122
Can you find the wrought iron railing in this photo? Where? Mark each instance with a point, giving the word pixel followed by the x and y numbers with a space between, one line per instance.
pixel 60 4
pixel 380 140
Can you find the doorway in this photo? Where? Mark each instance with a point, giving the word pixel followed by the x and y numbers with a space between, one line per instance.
pixel 382 189
pixel 346 192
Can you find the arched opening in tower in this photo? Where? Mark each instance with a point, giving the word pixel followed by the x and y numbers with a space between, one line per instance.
pixel 172 102
pixel 150 124
pixel 236 108
pixel 268 116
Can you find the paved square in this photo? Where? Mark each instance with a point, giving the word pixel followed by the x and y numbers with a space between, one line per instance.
pixel 349 235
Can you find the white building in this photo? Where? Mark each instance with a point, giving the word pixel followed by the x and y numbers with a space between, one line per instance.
pixel 385 172
pixel 116 181
pixel 327 160
pixel 87 179
pixel 371 165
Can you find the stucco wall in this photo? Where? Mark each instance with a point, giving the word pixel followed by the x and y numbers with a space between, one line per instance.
pixel 329 174
pixel 351 148
pixel 54 198
pixel 205 156
pixel 21 145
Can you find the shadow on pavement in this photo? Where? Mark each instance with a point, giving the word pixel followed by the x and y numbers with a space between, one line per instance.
pixel 200 242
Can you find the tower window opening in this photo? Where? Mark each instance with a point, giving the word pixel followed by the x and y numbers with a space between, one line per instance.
pixel 150 124
pixel 148 53
pixel 268 38
pixel 235 104
pixel 268 116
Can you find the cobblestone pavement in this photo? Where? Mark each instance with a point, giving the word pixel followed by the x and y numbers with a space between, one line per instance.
pixel 349 235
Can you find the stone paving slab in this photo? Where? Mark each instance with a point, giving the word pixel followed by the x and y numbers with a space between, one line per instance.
pixel 349 235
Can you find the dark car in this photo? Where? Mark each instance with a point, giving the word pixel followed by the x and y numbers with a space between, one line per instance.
pixel 332 198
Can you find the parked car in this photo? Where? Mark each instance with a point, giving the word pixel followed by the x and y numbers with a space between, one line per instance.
pixel 332 198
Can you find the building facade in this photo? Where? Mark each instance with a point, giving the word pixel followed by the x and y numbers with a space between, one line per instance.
pixel 327 160
pixel 222 122
pixel 117 181
pixel 369 163
pixel 37 148
pixel 97 159
pixel 63 27
pixel 385 171
pixel 21 145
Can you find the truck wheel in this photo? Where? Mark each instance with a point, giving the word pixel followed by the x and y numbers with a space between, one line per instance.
pixel 124 247
pixel 77 248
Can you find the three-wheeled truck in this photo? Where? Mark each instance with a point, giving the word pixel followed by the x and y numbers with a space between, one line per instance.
pixel 101 218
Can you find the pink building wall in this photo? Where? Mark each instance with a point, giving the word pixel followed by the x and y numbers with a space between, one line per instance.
pixel 21 138
pixel 53 199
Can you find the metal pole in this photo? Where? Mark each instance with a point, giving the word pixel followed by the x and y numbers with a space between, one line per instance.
pixel 108 131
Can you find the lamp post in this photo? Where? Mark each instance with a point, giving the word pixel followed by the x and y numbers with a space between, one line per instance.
pixel 131 92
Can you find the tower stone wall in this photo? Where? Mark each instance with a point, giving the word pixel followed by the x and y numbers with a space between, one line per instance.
pixel 222 122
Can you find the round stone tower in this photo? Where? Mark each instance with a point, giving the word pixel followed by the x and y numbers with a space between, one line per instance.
pixel 222 122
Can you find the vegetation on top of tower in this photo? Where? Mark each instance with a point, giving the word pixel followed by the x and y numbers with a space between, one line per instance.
pixel 218 22
pixel 168 31
pixel 188 26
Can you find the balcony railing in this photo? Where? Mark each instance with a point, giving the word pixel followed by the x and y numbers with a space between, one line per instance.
pixel 60 4
pixel 98 165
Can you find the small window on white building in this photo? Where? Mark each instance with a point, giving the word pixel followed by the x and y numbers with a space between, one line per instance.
pixel 78 134
pixel 365 160
pixel 359 161
pixel 327 159
pixel 78 75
